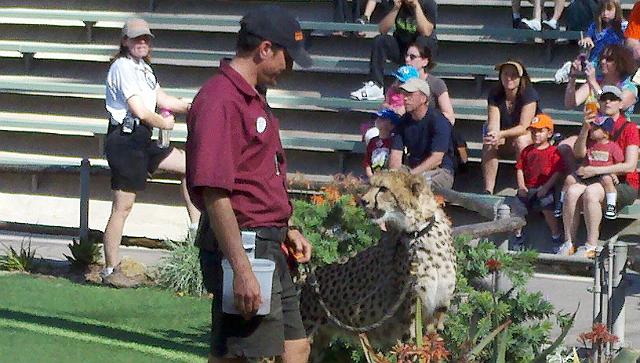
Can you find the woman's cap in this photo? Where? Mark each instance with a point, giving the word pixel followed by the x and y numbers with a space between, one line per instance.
pixel 542 121
pixel 135 27
pixel 415 85
pixel 274 23
pixel 605 123
pixel 405 73
pixel 611 90
pixel 389 114
pixel 513 63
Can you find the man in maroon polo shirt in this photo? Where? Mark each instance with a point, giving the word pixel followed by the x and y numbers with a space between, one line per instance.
pixel 236 175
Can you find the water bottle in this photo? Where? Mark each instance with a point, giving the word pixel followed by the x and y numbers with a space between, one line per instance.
pixel 164 136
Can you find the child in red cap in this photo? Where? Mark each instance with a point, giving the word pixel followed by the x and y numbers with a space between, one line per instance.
pixel 537 171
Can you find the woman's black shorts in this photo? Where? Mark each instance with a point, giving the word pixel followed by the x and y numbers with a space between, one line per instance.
pixel 132 157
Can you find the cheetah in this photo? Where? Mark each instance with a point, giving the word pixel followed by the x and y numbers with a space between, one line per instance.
pixel 375 290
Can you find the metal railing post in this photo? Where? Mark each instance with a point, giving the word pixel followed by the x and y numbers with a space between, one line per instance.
pixel 502 212
pixel 85 168
pixel 597 290
pixel 616 308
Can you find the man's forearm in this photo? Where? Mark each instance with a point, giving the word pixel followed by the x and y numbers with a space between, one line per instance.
pixel 225 227
pixel 429 163
pixel 423 25
pixel 387 22
pixel 513 132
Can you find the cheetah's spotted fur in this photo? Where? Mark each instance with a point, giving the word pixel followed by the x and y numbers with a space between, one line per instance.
pixel 359 289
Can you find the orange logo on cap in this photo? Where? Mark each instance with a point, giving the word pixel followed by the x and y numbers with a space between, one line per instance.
pixel 298 36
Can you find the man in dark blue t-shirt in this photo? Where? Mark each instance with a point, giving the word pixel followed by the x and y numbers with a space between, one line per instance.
pixel 425 134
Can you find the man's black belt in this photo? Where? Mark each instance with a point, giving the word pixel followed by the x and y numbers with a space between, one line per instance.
pixel 278 234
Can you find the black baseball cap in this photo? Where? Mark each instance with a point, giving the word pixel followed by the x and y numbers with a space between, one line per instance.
pixel 274 23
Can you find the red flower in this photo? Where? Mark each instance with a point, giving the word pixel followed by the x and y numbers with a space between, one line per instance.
pixel 598 335
pixel 493 265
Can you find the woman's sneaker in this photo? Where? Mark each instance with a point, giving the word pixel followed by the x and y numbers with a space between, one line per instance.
pixel 611 212
pixel 531 24
pixel 566 249
pixel 557 211
pixel 588 251
pixel 369 92
pixel 562 74
pixel 362 20
pixel 550 24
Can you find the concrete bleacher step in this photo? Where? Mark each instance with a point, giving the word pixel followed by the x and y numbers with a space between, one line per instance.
pixel 279 99
pixel 209 58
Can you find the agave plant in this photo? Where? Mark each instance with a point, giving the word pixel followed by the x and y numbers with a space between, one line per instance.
pixel 83 253
pixel 21 260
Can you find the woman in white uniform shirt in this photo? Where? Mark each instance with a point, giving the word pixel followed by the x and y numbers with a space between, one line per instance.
pixel 131 100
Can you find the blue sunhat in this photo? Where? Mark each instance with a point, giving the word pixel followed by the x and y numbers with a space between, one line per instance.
pixel 405 73
pixel 388 114
pixel 605 123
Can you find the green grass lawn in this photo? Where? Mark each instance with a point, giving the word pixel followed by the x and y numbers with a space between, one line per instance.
pixel 54 320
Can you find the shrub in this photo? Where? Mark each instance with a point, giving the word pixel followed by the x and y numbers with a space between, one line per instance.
pixel 83 254
pixel 180 271
pixel 21 260
pixel 476 311
pixel 334 225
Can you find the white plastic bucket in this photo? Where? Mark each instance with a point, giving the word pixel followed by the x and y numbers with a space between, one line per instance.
pixel 263 269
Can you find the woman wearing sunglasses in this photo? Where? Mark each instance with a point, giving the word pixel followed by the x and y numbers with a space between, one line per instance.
pixel 420 57
pixel 132 95
pixel 616 68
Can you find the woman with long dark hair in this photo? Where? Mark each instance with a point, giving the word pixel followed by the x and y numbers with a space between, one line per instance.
pixel 419 56
pixel 132 95
pixel 513 103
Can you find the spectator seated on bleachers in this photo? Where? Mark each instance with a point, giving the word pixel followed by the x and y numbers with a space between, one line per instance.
pixel 413 19
pixel 426 135
pixel 538 169
pixel 616 66
pixel 589 198
pixel 419 55
pixel 379 147
pixel 394 98
pixel 513 103
pixel 608 29
pixel 536 22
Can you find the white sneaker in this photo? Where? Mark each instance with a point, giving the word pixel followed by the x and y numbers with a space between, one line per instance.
pixel 562 74
pixel 532 24
pixel 369 92
pixel 588 251
pixel 551 24
pixel 566 249
pixel 106 272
